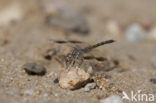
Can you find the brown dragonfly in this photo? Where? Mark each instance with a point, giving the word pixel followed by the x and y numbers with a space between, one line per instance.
pixel 77 53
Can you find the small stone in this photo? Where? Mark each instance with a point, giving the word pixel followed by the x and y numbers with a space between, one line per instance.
pixel 90 70
pixel 29 92
pixel 113 28
pixel 56 80
pixel 34 69
pixel 61 15
pixel 55 94
pixel 112 99
pixel 89 86
pixel 135 32
pixel 74 78
pixel 11 13
pixel 153 80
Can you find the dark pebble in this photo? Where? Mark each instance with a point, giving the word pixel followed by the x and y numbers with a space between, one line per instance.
pixel 153 80
pixel 56 81
pixel 34 69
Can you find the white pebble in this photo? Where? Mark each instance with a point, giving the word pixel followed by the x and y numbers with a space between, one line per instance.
pixel 89 86
pixel 90 70
pixel 112 99
pixel 55 94
pixel 29 92
pixel 11 13
pixel 135 32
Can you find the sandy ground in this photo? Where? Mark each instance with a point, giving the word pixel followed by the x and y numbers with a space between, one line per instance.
pixel 25 41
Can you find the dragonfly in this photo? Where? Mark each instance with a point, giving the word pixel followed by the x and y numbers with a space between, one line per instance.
pixel 77 53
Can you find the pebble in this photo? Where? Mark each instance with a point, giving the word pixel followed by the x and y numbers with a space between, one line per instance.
pixel 55 94
pixel 113 28
pixel 74 78
pixel 135 32
pixel 112 99
pixel 56 80
pixel 61 15
pixel 89 86
pixel 153 80
pixel 90 70
pixel 12 12
pixel 29 92
pixel 34 69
